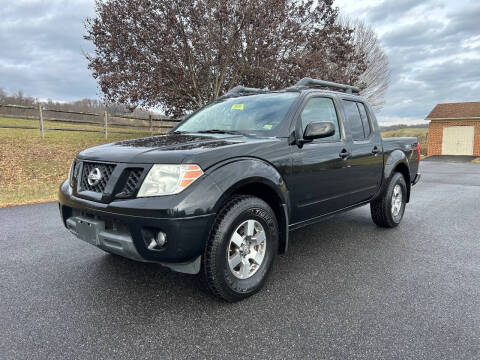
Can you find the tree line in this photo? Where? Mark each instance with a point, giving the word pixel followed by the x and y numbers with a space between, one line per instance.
pixel 83 105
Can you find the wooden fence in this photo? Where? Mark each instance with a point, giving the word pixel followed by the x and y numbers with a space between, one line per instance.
pixel 107 123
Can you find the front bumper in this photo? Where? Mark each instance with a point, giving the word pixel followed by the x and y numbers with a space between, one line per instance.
pixel 128 235
pixel 94 231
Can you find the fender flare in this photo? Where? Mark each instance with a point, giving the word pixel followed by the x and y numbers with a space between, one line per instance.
pixel 233 175
pixel 396 160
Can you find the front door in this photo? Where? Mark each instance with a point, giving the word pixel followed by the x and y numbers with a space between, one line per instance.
pixel 319 173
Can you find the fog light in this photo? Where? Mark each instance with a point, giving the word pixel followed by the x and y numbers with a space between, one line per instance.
pixel 158 241
pixel 161 238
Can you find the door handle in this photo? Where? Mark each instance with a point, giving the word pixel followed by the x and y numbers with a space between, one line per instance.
pixel 344 154
pixel 376 150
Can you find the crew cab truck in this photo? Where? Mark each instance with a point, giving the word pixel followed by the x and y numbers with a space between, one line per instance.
pixel 219 194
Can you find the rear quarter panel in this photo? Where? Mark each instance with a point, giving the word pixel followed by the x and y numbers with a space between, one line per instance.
pixel 397 150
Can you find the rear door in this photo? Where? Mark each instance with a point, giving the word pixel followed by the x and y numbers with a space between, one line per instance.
pixel 365 164
pixel 319 174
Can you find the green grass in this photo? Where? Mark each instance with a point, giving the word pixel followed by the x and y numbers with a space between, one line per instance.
pixel 32 168
pixel 420 133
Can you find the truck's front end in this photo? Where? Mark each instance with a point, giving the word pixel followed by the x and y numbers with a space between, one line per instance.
pixel 145 212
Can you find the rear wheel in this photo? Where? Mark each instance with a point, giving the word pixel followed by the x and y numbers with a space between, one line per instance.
pixel 387 211
pixel 241 248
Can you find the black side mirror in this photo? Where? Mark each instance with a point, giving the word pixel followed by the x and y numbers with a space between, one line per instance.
pixel 317 130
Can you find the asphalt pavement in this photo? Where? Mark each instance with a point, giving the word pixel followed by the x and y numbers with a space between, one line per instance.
pixel 345 290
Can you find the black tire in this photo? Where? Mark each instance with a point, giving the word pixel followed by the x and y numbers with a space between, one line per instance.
pixel 381 208
pixel 219 278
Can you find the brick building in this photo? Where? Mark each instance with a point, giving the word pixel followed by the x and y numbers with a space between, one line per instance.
pixel 454 129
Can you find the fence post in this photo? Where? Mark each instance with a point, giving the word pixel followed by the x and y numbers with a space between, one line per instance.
pixel 151 124
pixel 106 125
pixel 40 113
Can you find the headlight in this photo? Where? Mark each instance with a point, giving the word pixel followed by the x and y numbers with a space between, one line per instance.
pixel 70 173
pixel 169 179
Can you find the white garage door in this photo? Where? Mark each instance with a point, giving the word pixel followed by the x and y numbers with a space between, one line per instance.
pixel 458 140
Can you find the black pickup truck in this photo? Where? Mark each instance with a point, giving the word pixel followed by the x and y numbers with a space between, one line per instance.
pixel 219 194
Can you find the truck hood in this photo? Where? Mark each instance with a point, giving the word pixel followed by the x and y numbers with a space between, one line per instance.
pixel 204 150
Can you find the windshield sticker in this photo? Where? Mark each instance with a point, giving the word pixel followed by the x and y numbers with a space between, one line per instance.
pixel 237 107
pixel 268 126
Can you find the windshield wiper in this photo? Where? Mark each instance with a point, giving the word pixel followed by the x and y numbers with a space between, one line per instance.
pixel 218 131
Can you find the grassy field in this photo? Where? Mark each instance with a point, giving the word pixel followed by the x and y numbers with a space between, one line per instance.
pixel 32 168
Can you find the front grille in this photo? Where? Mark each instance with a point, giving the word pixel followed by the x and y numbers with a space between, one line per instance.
pixel 133 179
pixel 106 171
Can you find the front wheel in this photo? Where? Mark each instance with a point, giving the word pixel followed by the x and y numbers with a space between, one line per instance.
pixel 387 211
pixel 241 248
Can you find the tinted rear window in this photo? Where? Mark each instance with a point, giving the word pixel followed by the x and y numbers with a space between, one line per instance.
pixel 366 124
pixel 354 119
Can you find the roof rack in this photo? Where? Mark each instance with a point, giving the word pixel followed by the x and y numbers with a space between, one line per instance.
pixel 314 82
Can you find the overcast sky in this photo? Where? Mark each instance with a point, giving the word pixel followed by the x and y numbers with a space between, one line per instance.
pixel 433 48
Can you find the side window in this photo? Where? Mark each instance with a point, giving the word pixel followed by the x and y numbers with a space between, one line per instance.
pixel 321 109
pixel 366 124
pixel 354 119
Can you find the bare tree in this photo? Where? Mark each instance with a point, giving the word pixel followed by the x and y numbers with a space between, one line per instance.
pixel 17 98
pixel 182 54
pixel 374 81
pixel 3 95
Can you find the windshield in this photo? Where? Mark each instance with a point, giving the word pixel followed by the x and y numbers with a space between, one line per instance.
pixel 254 113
